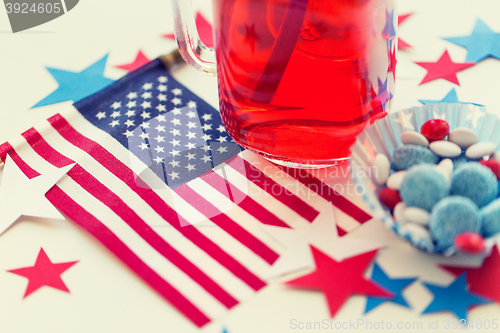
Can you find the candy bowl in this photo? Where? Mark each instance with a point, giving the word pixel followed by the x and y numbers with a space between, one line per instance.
pixel 431 174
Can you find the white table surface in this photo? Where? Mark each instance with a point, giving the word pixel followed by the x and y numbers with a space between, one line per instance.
pixel 105 296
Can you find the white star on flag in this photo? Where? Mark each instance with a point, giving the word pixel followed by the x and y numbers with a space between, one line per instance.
pixel 21 196
pixel 321 233
pixel 474 115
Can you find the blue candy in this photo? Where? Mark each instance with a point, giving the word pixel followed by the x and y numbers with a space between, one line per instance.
pixel 452 216
pixel 490 216
pixel 461 160
pixel 407 156
pixel 475 181
pixel 423 186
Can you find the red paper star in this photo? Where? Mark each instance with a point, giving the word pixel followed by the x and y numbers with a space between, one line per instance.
pixel 44 273
pixel 392 63
pixel 483 280
pixel 401 43
pixel 444 68
pixel 204 30
pixel 340 280
pixel 139 61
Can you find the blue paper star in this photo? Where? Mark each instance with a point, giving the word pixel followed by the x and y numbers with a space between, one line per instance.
pixel 483 43
pixel 394 285
pixel 451 97
pixel 389 30
pixel 75 86
pixel 454 298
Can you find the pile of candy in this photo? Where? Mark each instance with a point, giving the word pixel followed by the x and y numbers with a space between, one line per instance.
pixel 442 187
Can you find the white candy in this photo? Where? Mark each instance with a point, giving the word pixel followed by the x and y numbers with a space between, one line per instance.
pixel 464 137
pixel 414 138
pixel 480 149
pixel 496 156
pixel 383 168
pixel 399 212
pixel 445 173
pixel 394 181
pixel 418 235
pixel 416 215
pixel 445 148
pixel 446 165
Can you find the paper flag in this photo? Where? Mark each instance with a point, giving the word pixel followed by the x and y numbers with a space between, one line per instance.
pixel 482 280
pixel 323 234
pixel 395 286
pixel 454 298
pixel 204 31
pixel 74 86
pixel 140 60
pixel 340 280
pixel 481 44
pixel 443 68
pixel 20 195
pixel 401 43
pixel 44 273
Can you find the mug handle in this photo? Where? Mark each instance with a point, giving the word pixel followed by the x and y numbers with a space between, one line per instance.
pixel 191 48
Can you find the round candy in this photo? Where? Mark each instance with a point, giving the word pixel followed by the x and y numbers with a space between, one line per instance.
pixel 496 156
pixel 414 138
pixel 470 242
pixel 394 180
pixel 389 197
pixel 416 215
pixel 435 129
pixel 445 148
pixel 464 137
pixel 407 156
pixel 480 149
pixel 490 216
pixel 452 216
pixel 399 212
pixel 461 160
pixel 493 165
pixel 445 173
pixel 383 168
pixel 474 181
pixel 423 186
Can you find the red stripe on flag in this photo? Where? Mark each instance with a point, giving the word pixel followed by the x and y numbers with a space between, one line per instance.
pixel 110 199
pixel 339 201
pixel 25 168
pixel 120 170
pixel 268 184
pixel 81 217
pixel 227 224
pixel 40 146
pixel 242 200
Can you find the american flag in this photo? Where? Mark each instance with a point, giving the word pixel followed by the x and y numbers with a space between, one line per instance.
pixel 160 183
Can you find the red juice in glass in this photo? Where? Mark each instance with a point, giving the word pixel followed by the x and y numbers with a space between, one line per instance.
pixel 299 79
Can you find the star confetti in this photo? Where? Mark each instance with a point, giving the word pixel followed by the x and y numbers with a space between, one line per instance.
pixel 323 234
pixel 74 86
pixel 481 44
pixel 140 60
pixel 20 195
pixel 44 273
pixel 451 97
pixel 454 298
pixel 482 280
pixel 339 280
pixel 204 31
pixel 444 68
pixel 401 43
pixel 395 286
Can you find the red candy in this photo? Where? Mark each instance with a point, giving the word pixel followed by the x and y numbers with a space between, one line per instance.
pixel 470 242
pixel 493 165
pixel 435 129
pixel 389 197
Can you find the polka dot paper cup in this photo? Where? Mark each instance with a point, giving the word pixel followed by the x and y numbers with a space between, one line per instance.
pixel 384 136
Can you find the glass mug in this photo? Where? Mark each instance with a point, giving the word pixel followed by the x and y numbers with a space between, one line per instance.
pixel 298 79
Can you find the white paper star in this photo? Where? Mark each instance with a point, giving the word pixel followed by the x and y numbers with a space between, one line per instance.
pixel 21 196
pixel 405 121
pixel 322 233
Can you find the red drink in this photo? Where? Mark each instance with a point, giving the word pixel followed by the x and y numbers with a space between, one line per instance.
pixel 299 79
